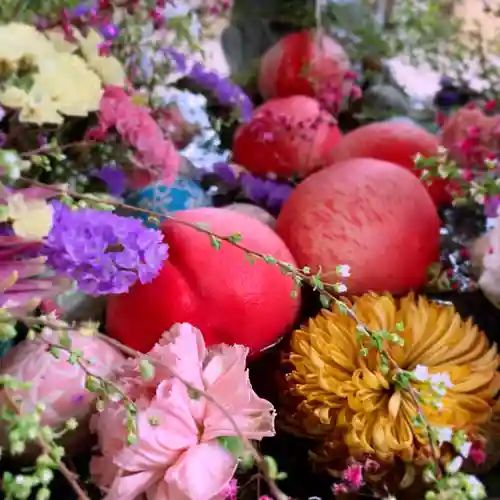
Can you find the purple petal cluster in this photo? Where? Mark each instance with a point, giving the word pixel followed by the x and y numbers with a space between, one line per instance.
pixel 113 178
pixel 226 92
pixel 267 193
pixel 103 252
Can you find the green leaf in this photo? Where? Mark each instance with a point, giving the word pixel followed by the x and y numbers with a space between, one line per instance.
pixel 325 301
pixel 269 259
pixel 235 237
pixel 232 444
pixel 147 369
pixel 215 242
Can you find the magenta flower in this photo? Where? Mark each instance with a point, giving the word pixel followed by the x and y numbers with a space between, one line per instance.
pixel 178 454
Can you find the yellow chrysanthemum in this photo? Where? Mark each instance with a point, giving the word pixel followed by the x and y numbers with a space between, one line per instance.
pixel 107 67
pixel 40 109
pixel 60 42
pixel 77 93
pixel 13 97
pixel 341 398
pixel 18 40
pixel 64 84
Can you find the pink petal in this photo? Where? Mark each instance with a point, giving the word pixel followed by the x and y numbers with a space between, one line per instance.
pixel 132 486
pixel 164 430
pixel 226 379
pixel 202 472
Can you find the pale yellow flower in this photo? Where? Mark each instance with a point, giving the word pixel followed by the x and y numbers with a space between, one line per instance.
pixel 13 97
pixel 343 401
pixel 31 218
pixel 58 39
pixel 64 84
pixel 77 93
pixel 108 68
pixel 18 40
pixel 40 109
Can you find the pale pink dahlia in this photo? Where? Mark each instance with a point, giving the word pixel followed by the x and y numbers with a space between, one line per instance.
pixel 177 455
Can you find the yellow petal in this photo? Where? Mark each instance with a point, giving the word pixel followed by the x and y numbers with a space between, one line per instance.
pixel 394 404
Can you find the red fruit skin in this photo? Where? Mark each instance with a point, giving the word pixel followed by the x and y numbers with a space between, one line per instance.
pixel 395 143
pixel 298 65
pixel 220 292
pixel 372 215
pixel 289 136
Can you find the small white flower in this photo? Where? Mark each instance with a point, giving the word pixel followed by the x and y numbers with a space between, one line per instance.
pixel 443 434
pixel 465 448
pixel 455 465
pixel 344 270
pixel 441 378
pixel 421 373
pixel 340 288
pixel 418 158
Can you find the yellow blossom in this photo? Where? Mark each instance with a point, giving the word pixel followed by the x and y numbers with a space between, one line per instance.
pixel 77 93
pixel 31 218
pixel 344 401
pixel 107 67
pixel 59 40
pixel 64 84
pixel 40 109
pixel 18 40
pixel 13 97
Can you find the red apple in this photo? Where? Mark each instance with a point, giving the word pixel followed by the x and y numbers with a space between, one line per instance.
pixel 302 64
pixel 230 299
pixel 372 215
pixel 393 142
pixel 289 136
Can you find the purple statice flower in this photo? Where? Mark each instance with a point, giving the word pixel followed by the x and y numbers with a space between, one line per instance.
pixel 225 173
pixel 265 192
pixel 226 92
pixel 103 252
pixel 113 177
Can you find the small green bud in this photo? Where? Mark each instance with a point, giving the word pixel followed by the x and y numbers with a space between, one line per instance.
pixel 147 369
pixel 92 384
pixel 45 475
pixel 71 424
pixel 43 494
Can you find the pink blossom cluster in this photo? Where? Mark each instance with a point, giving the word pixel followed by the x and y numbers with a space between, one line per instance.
pixel 331 96
pixel 352 477
pixel 472 136
pixel 178 454
pixel 155 156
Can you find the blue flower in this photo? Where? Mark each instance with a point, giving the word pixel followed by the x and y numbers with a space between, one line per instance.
pixel 103 252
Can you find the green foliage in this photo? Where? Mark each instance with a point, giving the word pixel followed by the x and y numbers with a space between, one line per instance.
pixel 28 10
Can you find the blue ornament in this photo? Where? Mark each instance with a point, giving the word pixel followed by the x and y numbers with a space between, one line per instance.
pixel 183 194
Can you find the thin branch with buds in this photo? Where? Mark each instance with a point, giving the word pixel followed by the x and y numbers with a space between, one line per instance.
pixel 301 276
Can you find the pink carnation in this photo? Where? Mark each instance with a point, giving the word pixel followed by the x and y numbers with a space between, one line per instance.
pixel 155 156
pixel 177 455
